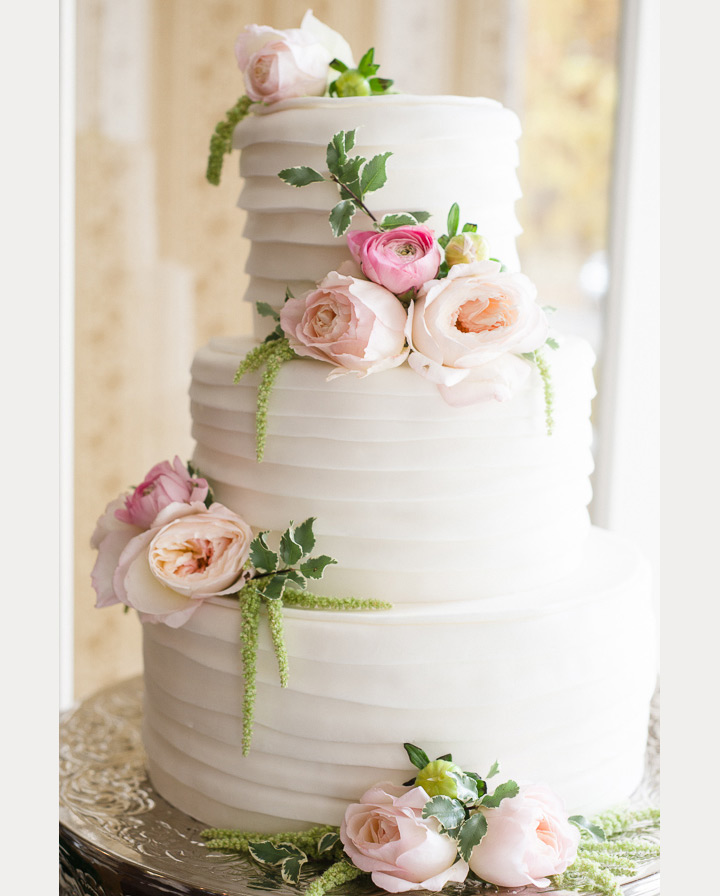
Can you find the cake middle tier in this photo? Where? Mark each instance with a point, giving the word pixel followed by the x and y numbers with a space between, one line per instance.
pixel 412 497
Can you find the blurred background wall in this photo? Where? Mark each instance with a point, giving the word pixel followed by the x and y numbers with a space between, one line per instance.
pixel 159 254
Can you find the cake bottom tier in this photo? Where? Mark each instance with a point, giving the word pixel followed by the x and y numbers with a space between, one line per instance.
pixel 554 683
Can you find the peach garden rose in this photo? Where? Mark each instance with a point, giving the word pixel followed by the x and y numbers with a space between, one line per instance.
pixel 466 331
pixel 386 835
pixel 190 554
pixel 354 324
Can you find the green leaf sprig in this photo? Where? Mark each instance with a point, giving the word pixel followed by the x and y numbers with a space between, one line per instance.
pixel 457 797
pixel 355 177
pixel 278 577
pixel 221 140
pixel 360 81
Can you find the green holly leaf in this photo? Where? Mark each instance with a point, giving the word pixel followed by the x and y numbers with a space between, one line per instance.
pixel 286 855
pixel 328 842
pixel 470 834
pixel 453 219
pixel 448 811
pixel 595 831
pixel 315 566
pixel 341 216
pixel 337 149
pixel 290 869
pixel 374 174
pixel 467 789
pixel 350 177
pixel 304 535
pixel 265 310
pixel 403 219
pixel 494 769
pixel 261 557
pixel 418 757
pixel 294 576
pixel 301 176
pixel 503 791
pixel 290 550
pixel 275 587
pixel 552 343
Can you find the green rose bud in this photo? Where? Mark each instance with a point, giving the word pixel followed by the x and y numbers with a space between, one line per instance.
pixel 466 248
pixel 352 83
pixel 436 781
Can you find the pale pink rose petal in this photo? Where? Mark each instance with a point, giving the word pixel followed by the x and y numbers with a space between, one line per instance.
pixel 153 601
pixel 109 552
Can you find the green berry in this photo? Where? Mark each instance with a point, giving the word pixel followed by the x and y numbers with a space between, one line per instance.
pixel 435 780
pixel 352 83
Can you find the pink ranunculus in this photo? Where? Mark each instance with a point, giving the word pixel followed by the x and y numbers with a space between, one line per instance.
pixel 528 838
pixel 386 835
pixel 399 259
pixel 278 65
pixel 352 323
pixel 192 553
pixel 165 484
pixel 476 316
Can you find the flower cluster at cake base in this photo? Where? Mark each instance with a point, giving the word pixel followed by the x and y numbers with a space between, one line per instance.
pixel 446 826
pixel 165 547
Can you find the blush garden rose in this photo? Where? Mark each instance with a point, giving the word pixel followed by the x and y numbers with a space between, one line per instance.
pixel 354 324
pixel 528 839
pixel 164 484
pixel 279 65
pixel 386 835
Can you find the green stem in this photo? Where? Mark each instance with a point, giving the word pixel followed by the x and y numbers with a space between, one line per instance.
pixel 221 140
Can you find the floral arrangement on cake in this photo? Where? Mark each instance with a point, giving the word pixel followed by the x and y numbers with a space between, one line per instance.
pixel 443 305
pixel 165 547
pixel 445 826
pixel 312 60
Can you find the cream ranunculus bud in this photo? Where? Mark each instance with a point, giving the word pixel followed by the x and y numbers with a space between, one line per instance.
pixel 465 248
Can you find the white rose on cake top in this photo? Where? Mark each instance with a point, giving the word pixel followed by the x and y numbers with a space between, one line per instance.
pixel 467 330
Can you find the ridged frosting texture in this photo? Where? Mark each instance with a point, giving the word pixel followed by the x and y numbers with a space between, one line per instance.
pixel 416 500
pixel 554 683
pixel 444 150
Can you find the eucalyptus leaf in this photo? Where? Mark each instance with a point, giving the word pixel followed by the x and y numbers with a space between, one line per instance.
pixel 261 557
pixel 374 174
pixel 449 812
pixel 315 566
pixel 341 216
pixel 470 834
pixel 453 219
pixel 304 535
pixel 290 550
pixel 301 176
pixel 595 831
pixel 418 757
pixel 502 791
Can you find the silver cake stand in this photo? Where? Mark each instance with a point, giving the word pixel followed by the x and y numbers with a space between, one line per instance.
pixel 118 837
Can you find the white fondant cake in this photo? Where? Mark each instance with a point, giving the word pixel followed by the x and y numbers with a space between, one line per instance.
pixel 517 632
